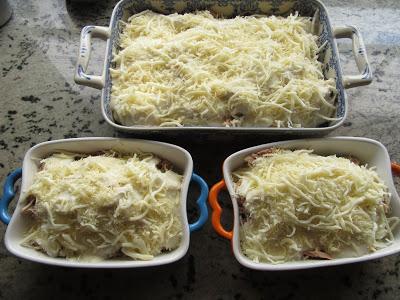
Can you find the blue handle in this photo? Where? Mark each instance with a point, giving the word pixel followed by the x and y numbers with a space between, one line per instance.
pixel 8 194
pixel 201 202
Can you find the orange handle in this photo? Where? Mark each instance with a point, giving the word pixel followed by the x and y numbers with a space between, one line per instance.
pixel 395 169
pixel 217 210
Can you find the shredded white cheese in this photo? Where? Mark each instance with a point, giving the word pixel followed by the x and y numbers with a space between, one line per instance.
pixel 294 202
pixel 194 69
pixel 104 206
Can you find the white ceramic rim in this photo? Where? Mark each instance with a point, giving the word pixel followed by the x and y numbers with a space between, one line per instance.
pixel 36 256
pixel 383 157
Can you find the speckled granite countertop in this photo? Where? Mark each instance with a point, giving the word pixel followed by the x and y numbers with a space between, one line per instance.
pixel 40 102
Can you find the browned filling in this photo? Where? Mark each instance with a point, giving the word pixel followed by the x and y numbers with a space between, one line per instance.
pixel 164 165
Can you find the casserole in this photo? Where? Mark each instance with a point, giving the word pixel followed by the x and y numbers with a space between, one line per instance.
pixel 328 56
pixel 367 151
pixel 17 225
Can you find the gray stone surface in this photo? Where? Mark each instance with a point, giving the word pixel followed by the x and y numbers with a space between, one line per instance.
pixel 39 102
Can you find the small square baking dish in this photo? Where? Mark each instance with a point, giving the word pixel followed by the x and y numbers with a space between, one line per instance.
pixel 329 56
pixel 18 224
pixel 368 151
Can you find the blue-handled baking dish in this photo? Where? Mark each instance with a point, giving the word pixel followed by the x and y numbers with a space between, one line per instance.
pixel 17 224
pixel 329 56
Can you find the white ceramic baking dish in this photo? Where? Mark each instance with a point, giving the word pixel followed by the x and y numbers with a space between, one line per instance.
pixel 366 150
pixel 18 225
pixel 329 56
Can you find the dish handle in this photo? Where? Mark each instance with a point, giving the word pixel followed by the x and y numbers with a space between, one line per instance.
pixel 360 54
pixel 395 168
pixel 201 202
pixel 8 194
pixel 84 55
pixel 217 210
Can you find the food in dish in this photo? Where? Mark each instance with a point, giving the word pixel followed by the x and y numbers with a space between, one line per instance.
pixel 102 206
pixel 298 205
pixel 195 69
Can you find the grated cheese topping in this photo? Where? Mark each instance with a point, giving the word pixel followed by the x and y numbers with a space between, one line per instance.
pixel 96 207
pixel 296 204
pixel 195 69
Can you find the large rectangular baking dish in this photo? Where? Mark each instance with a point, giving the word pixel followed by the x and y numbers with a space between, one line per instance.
pixel 230 8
